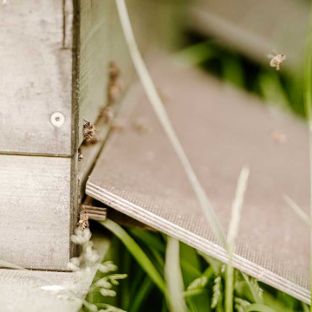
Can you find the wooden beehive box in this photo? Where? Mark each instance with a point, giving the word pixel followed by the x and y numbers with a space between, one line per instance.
pixel 54 61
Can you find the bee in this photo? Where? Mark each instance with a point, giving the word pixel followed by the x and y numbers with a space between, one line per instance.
pixel 80 155
pixel 108 114
pixel 276 60
pixel 118 125
pixel 141 126
pixel 114 86
pixel 279 137
pixel 83 222
pixel 89 133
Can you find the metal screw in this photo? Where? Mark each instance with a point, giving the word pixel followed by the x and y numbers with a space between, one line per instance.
pixel 57 119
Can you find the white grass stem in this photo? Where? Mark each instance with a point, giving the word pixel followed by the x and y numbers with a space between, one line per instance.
pixel 162 115
pixel 298 211
pixel 232 234
pixel 174 277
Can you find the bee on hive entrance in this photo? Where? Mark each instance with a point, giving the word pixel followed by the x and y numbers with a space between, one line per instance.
pixel 89 132
pixel 83 222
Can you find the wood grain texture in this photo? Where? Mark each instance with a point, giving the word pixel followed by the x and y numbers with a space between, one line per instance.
pixel 221 130
pixel 35 77
pixel 35 211
pixel 255 28
pixel 102 41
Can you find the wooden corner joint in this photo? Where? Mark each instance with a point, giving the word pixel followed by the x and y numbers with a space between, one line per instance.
pixel 90 212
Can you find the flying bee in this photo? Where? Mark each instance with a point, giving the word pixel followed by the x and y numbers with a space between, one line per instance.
pixel 276 59
pixel 114 86
pixel 279 137
pixel 89 132
pixel 141 126
pixel 107 114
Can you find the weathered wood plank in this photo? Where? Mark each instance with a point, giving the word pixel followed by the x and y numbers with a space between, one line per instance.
pixel 102 41
pixel 100 44
pixel 221 129
pixel 35 201
pixel 35 77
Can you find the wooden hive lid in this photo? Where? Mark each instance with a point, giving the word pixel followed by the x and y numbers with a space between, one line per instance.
pixel 221 129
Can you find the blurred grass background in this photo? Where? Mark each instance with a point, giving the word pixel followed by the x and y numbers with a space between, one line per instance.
pixel 203 279
pixel 283 88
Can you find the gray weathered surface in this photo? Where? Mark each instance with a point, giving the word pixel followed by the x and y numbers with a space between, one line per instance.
pixel 35 77
pixel 255 28
pixel 221 130
pixel 35 211
pixel 22 290
pixel 102 41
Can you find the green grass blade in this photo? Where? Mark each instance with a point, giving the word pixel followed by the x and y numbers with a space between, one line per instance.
pixel 174 276
pixel 215 264
pixel 272 89
pixel 254 289
pixel 151 240
pixel 141 295
pixel 136 252
pixel 197 53
pixel 258 308
pixel 233 71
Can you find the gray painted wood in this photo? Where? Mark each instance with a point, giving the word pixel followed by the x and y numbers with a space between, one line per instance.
pixel 221 129
pixel 35 77
pixel 255 28
pixel 35 201
pixel 102 41
pixel 22 291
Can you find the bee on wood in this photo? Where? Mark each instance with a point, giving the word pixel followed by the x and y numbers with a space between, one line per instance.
pixel 276 60
pixel 83 222
pixel 80 155
pixel 114 86
pixel 89 133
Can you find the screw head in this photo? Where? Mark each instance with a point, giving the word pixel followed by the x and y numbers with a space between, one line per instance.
pixel 57 119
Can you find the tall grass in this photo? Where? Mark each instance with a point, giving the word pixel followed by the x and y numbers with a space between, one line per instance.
pixel 204 278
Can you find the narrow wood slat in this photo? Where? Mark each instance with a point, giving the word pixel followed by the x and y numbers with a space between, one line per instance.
pixel 221 129
pixel 35 209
